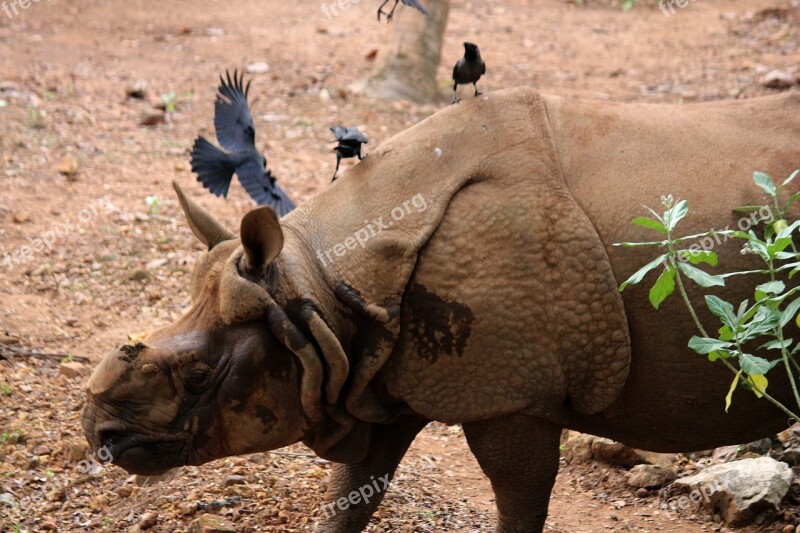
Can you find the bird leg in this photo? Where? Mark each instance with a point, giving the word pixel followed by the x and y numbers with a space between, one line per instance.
pixel 338 160
pixel 477 92
pixel 455 97
pixel 388 15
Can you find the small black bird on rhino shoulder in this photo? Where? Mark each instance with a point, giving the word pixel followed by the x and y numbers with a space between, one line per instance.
pixel 237 135
pixel 468 69
pixel 413 3
pixel 350 141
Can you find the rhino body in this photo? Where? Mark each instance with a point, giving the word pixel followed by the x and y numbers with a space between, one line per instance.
pixel 463 273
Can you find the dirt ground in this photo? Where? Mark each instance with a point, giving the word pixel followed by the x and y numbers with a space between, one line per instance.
pixel 78 165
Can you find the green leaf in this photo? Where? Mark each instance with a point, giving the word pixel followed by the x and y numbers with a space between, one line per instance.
pixel 642 272
pixel 752 364
pixel 771 287
pixel 789 313
pixel 647 222
pixel 777 344
pixel 729 396
pixel 704 279
pixel 786 233
pixel 706 345
pixel 722 309
pixel 791 200
pixel 765 182
pixel 759 381
pixel 792 176
pixel 675 214
pixel 664 286
pixel 725 333
pixel 696 257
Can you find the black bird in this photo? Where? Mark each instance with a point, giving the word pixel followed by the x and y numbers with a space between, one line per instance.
pixel 390 14
pixel 468 69
pixel 350 141
pixel 237 135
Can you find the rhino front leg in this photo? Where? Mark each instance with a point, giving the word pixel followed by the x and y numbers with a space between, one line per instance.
pixel 355 490
pixel 519 454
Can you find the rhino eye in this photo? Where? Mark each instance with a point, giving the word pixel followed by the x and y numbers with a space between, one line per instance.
pixel 198 377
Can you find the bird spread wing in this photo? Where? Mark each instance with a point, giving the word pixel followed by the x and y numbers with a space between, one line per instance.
pixel 415 4
pixel 214 168
pixel 354 135
pixel 339 132
pixel 232 120
pixel 261 186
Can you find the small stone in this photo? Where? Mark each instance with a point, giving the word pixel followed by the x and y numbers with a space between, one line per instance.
pixel 187 509
pixel 215 32
pixel 41 450
pixel 48 525
pixel 7 499
pixel 650 476
pixel 136 89
pixel 20 217
pixel 642 492
pixel 125 491
pixel 153 118
pixel 68 166
pixel 138 275
pixel 76 452
pixel 148 520
pixel 324 95
pixel 156 263
pixel 234 480
pixel 57 495
pixel 72 369
pixel 259 67
pixel 778 79
pixel 71 322
pixel 210 523
pixel 788 529
pixel 141 217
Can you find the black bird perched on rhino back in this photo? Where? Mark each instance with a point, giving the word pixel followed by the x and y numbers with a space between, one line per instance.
pixel 468 69
pixel 350 141
pixel 413 3
pixel 237 135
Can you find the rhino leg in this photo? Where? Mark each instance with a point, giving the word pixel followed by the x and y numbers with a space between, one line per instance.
pixel 356 490
pixel 519 454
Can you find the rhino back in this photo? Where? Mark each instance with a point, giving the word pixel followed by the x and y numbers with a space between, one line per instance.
pixel 616 157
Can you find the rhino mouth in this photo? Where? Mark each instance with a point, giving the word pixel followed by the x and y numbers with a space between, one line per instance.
pixel 143 454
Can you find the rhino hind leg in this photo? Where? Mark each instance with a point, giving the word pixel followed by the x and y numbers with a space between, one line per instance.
pixel 355 490
pixel 519 454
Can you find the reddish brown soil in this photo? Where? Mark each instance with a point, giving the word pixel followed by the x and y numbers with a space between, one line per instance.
pixel 64 69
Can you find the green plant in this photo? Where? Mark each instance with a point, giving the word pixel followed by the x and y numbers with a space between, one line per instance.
pixel 747 327
pixel 169 99
pixel 152 204
pixel 5 389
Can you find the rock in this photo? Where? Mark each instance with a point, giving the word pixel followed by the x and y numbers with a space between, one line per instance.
pixel 141 217
pixel 137 89
pixel 20 217
pixel 68 166
pixel 760 447
pixel 788 529
pixel 324 95
pixel 41 450
pixel 153 118
pixel 71 322
pixel 215 32
pixel 615 453
pixel 778 79
pixel 156 263
pixel 76 452
pixel 48 525
pixel 72 369
pixel 138 275
pixel 741 489
pixel 148 520
pixel 186 509
pixel 210 523
pixel 577 447
pixel 257 68
pixel 725 454
pixel 233 480
pixel 7 499
pixel 790 456
pixel 650 476
pixel 642 493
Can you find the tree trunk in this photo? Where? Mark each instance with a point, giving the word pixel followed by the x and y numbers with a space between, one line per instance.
pixel 408 61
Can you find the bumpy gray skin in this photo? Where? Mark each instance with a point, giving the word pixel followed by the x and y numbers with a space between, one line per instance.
pixel 491 302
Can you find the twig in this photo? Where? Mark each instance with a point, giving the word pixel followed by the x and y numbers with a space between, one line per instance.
pixel 5 349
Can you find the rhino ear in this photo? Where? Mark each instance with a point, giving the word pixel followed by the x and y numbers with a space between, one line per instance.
pixel 262 238
pixel 204 226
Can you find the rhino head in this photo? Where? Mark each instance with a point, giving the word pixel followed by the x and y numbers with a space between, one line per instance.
pixel 232 376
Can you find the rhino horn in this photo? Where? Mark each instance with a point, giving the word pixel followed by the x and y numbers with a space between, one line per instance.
pixel 262 238
pixel 204 226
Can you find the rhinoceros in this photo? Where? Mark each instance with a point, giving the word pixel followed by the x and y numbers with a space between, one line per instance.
pixel 465 273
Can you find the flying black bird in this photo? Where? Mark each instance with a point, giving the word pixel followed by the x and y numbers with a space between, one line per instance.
pixel 237 135
pixel 413 3
pixel 468 69
pixel 350 141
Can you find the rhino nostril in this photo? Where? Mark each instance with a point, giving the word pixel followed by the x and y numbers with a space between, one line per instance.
pixel 109 439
